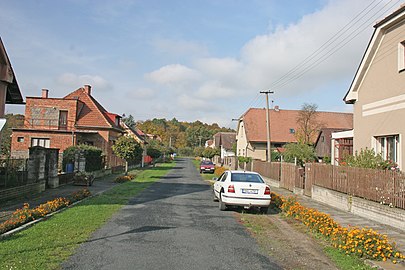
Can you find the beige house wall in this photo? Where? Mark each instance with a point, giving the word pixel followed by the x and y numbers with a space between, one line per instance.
pixel 380 106
pixel 247 149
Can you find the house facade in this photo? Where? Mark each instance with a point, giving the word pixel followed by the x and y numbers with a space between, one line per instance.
pixel 251 133
pixel 62 122
pixel 377 91
pixel 225 141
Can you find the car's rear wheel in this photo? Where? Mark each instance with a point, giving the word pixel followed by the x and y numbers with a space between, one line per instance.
pixel 221 204
pixel 264 210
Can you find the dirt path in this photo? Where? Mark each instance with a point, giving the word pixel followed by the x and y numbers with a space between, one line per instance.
pixel 286 242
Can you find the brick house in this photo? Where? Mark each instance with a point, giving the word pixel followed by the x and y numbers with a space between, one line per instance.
pixel 62 122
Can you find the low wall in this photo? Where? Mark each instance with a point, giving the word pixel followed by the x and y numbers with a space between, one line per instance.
pixel 372 210
pixel 16 192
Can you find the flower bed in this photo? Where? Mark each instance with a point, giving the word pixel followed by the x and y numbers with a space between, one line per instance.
pixel 362 242
pixel 124 178
pixel 26 214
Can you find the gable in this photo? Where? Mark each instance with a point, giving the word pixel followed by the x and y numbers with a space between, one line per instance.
pixel 371 56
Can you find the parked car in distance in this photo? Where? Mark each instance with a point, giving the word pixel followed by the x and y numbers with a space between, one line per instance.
pixel 241 188
pixel 207 166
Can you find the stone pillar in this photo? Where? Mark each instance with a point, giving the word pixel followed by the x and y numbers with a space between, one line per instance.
pixel 36 166
pixel 53 158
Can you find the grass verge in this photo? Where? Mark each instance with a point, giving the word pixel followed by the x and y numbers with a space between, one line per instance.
pixel 47 244
pixel 344 261
pixel 205 176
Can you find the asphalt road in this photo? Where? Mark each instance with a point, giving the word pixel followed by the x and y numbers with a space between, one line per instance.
pixel 174 224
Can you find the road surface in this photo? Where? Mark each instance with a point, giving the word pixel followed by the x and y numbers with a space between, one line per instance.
pixel 174 224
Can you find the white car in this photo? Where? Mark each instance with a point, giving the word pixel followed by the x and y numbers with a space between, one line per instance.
pixel 241 188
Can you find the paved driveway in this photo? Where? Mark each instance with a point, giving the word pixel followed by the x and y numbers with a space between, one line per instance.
pixel 174 224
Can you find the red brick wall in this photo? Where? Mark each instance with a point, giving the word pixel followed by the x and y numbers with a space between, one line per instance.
pixel 39 108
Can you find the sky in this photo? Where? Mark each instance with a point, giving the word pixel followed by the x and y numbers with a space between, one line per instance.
pixel 193 60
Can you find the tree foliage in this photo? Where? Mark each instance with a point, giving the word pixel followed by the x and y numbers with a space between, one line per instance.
pixel 129 121
pixel 303 152
pixel 211 152
pixel 13 121
pixel 308 124
pixel 179 134
pixel 127 148
pixel 367 158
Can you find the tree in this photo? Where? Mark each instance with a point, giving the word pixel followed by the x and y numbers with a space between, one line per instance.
pixel 198 151
pixel 128 149
pixel 300 151
pixel 211 152
pixel 308 124
pixel 129 121
pixel 12 121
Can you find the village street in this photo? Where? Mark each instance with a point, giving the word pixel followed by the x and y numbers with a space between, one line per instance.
pixel 174 224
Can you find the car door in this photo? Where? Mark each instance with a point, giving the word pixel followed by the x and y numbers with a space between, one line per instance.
pixel 218 183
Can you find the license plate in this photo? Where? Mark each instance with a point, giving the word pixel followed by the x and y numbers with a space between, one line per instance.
pixel 208 169
pixel 249 191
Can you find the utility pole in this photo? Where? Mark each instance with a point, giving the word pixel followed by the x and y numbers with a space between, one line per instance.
pixel 268 123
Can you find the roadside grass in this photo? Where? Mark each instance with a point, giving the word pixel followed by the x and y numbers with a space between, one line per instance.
pixel 344 261
pixel 47 244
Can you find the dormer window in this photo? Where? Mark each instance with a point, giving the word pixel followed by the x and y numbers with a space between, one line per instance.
pixel 117 121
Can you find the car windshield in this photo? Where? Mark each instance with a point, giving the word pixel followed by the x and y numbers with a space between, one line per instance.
pixel 246 177
pixel 206 163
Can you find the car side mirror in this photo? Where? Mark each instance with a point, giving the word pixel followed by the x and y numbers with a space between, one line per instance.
pixel 215 178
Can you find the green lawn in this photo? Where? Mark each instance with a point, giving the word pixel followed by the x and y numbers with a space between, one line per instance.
pixel 47 244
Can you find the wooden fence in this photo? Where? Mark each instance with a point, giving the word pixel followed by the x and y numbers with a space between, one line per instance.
pixel 386 187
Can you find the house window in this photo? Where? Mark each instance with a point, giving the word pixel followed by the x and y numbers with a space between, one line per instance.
pixel 20 139
pixel 388 147
pixel 292 131
pixel 63 120
pixel 44 142
pixel 322 138
pixel 117 121
pixel 401 56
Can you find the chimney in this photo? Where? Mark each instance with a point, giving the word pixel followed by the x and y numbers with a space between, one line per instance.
pixel 87 89
pixel 45 93
pixel 277 108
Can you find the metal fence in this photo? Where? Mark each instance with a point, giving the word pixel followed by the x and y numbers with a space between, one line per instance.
pixel 13 173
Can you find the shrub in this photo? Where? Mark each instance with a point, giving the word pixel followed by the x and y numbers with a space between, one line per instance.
pixel 92 154
pixel 276 200
pixel 367 158
pixel 124 178
pixel 219 170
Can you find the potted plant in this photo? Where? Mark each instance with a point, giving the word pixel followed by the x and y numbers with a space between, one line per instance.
pixel 83 179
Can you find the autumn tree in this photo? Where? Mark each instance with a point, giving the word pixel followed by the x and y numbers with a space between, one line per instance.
pixel 128 149
pixel 308 124
pixel 129 121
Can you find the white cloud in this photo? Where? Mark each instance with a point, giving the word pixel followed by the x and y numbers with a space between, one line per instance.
pixel 75 81
pixel 173 75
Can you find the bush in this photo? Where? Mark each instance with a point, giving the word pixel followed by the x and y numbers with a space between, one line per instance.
pixel 367 158
pixel 219 170
pixel 92 154
pixel 124 178
pixel 276 200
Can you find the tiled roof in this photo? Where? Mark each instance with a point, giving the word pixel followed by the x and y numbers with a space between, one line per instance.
pixel 226 139
pixel 283 124
pixel 92 113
